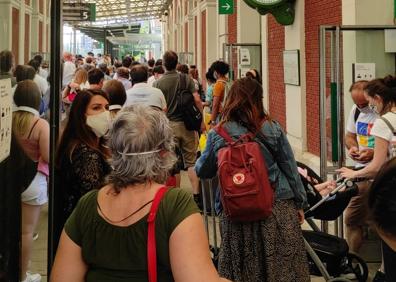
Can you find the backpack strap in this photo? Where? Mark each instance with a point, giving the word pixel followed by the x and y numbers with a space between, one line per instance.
pixel 223 133
pixel 182 81
pixel 151 243
pixel 356 115
pixel 388 124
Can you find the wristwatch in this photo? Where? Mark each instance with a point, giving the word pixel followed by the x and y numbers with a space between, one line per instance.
pixel 212 122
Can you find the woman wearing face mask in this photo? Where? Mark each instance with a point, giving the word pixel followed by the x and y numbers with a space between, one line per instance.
pixel 381 94
pixel 81 157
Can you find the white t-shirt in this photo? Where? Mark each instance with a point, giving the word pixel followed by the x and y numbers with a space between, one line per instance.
pixel 151 80
pixel 382 130
pixel 43 73
pixel 41 83
pixel 68 73
pixel 142 93
pixel 362 127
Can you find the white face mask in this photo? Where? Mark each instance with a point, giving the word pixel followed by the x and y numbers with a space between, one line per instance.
pixel 366 109
pixel 215 75
pixel 374 108
pixel 99 123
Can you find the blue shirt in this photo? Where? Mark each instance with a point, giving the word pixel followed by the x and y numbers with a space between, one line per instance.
pixel 278 155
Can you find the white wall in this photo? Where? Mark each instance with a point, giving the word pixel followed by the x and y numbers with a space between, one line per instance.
pixel 211 32
pixel 222 34
pixel 295 95
pixel 248 24
pixel 264 59
pixel 5 26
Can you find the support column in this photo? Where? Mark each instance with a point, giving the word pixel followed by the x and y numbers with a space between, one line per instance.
pixel 264 60
pixel 222 34
pixel 295 95
pixel 5 26
pixel 35 27
pixel 21 32
pixel 45 26
pixel 248 24
pixel 211 34
pixel 198 37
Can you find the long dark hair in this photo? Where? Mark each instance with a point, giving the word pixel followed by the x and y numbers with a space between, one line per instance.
pixel 77 131
pixel 244 104
pixel 382 199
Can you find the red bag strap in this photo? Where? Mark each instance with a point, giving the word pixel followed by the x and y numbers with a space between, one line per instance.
pixel 223 133
pixel 151 244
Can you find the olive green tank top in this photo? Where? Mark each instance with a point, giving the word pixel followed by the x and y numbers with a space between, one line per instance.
pixel 115 253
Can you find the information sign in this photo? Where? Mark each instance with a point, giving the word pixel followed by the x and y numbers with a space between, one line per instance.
pixel 5 118
pixel 226 7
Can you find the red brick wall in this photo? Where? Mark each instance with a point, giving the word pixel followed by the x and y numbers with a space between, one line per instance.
pixel 41 6
pixel 232 25
pixel 317 12
pixel 185 37
pixel 15 34
pixel 195 39
pixel 277 97
pixel 233 38
pixel 203 45
pixel 48 37
pixel 27 38
pixel 40 37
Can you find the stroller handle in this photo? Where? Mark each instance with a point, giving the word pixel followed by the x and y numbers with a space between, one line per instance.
pixel 341 184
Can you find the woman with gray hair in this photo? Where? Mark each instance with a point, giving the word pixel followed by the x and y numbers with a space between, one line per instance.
pixel 105 239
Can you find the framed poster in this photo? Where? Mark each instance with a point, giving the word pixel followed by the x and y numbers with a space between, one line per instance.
pixel 291 67
pixel 5 118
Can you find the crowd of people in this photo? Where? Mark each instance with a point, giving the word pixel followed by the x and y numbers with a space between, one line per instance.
pixel 124 137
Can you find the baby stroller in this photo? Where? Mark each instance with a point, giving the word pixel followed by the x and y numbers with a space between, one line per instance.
pixel 329 255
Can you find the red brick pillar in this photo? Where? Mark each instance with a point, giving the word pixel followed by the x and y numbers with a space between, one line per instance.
pixel 276 86
pixel 15 34
pixel 317 13
pixel 233 37
pixel 185 37
pixel 196 39
pixel 203 45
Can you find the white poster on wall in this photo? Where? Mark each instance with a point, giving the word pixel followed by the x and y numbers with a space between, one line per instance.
pixel 244 57
pixel 363 71
pixel 291 67
pixel 5 118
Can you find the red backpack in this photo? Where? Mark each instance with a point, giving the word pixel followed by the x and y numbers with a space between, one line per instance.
pixel 246 192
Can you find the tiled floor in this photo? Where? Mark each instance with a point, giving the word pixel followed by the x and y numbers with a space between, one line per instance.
pixel 39 259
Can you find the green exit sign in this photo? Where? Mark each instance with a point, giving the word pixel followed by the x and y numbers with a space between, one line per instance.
pixel 226 7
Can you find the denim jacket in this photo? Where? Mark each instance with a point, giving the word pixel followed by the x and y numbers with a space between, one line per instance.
pixel 278 155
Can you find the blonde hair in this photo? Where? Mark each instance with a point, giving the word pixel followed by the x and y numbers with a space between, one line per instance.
pixel 26 94
pixel 80 76
pixel 20 122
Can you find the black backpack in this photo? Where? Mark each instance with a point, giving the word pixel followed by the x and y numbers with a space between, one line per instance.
pixel 192 116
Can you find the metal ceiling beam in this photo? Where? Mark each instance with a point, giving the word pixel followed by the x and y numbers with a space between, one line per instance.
pixel 118 11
